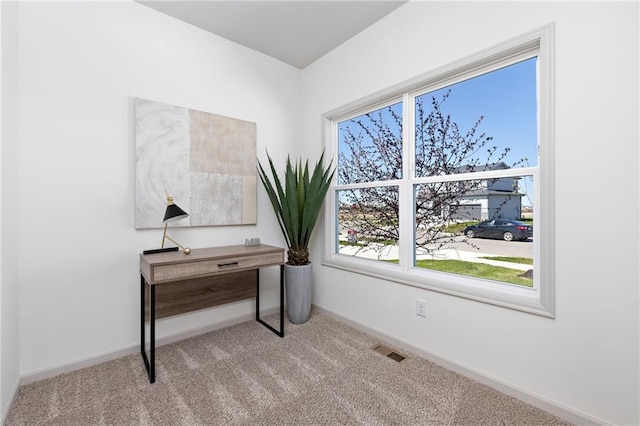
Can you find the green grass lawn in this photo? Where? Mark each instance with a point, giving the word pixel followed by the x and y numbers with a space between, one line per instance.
pixel 524 260
pixel 454 228
pixel 476 270
pixel 368 240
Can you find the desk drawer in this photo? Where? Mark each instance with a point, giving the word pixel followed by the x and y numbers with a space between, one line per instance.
pixel 215 266
pixel 177 297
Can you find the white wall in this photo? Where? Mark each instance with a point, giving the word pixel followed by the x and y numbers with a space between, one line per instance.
pixel 9 288
pixel 586 360
pixel 81 65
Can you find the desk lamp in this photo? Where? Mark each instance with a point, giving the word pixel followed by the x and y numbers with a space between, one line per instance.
pixel 173 214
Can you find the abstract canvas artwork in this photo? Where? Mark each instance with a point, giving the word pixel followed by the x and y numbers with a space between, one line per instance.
pixel 206 162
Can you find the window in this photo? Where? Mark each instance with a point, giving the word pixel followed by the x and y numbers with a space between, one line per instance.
pixel 445 182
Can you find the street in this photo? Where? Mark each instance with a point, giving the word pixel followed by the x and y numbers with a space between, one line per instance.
pixel 457 248
pixel 494 247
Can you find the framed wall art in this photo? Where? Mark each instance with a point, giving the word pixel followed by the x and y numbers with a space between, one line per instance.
pixel 205 161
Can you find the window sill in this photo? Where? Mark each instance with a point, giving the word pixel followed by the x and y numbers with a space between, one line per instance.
pixel 509 296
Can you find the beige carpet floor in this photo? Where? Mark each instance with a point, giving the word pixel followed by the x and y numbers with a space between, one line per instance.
pixel 322 373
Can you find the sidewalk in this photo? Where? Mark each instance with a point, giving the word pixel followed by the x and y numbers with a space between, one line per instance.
pixel 379 252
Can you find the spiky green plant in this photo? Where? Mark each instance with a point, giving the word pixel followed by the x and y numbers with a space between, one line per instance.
pixel 297 204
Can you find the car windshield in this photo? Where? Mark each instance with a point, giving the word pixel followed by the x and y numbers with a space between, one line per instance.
pixel 517 222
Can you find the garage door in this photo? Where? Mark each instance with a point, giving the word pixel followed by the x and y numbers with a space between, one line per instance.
pixel 467 212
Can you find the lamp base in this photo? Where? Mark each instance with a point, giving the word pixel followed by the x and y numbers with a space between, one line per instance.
pixel 162 250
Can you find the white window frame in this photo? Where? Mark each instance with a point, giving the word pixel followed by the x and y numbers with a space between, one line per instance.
pixel 540 299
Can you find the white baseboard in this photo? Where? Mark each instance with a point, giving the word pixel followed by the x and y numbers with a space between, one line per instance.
pixel 563 411
pixel 12 399
pixel 556 408
pixel 77 364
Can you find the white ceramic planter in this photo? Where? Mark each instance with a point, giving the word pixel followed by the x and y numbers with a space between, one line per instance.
pixel 298 285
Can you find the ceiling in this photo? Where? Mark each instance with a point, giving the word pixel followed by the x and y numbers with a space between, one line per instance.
pixel 296 32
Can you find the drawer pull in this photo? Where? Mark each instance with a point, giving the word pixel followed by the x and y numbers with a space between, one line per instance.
pixel 220 265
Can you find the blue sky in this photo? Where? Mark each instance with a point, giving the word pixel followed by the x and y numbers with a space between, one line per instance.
pixel 507 100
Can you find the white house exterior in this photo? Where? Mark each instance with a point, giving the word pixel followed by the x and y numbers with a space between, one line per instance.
pixel 495 198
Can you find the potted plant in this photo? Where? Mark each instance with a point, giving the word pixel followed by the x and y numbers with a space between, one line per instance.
pixel 297 202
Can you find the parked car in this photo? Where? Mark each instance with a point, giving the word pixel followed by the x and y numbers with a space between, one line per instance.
pixel 500 229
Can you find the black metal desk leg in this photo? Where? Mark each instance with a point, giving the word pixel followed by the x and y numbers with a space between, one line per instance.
pixel 150 361
pixel 281 332
pixel 152 333
pixel 258 295
pixel 142 283
pixel 281 300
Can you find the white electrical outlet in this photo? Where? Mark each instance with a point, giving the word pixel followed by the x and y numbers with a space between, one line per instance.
pixel 421 308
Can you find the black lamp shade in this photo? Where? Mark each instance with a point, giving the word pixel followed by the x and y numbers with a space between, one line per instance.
pixel 174 213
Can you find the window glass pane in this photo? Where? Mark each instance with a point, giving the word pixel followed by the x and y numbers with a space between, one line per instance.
pixel 370 146
pixel 368 222
pixel 471 158
pixel 481 228
pixel 484 123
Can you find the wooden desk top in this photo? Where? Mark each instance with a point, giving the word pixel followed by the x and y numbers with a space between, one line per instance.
pixel 159 268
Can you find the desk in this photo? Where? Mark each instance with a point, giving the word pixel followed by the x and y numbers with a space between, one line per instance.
pixel 194 283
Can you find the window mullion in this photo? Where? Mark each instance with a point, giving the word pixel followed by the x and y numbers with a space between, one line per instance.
pixel 407 221
pixel 374 184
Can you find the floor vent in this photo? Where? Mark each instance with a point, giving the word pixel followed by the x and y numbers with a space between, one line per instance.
pixel 388 352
